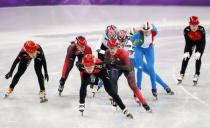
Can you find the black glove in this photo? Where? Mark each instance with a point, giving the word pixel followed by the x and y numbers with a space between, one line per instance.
pixel 8 75
pixel 80 55
pixel 46 76
pixel 109 61
pixel 80 66
pixel 113 65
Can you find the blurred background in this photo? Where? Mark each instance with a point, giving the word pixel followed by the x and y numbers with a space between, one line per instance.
pixel 4 3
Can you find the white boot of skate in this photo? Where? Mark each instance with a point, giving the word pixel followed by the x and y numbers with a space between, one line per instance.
pixel 180 78
pixel 81 108
pixel 42 97
pixel 9 92
pixel 195 79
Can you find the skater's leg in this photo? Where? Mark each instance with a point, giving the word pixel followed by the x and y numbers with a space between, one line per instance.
pixel 197 70
pixel 139 77
pixel 109 89
pixel 114 76
pixel 149 56
pixel 21 69
pixel 138 56
pixel 68 65
pixel 38 70
pixel 130 76
pixel 85 80
pixel 158 79
pixel 185 63
pixel 198 65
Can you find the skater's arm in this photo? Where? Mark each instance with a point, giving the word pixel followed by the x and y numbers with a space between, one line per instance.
pixel 44 63
pixel 124 58
pixel 154 30
pixel 187 41
pixel 98 45
pixel 17 60
pixel 201 45
pixel 137 39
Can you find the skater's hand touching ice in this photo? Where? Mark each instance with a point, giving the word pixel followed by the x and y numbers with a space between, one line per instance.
pixel 8 75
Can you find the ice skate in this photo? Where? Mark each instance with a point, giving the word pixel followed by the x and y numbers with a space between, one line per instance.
pixel 60 89
pixel 169 91
pixel 154 93
pixel 81 108
pixel 195 79
pixel 127 113
pixel 9 92
pixel 114 104
pixel 94 89
pixel 180 78
pixel 147 107
pixel 42 97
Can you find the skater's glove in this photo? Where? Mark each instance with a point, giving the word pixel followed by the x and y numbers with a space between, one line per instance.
pixel 197 55
pixel 8 75
pixel 46 76
pixel 109 61
pixel 80 54
pixel 80 66
pixel 186 55
pixel 100 51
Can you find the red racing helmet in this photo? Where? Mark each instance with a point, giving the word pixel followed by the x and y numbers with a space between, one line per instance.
pixel 81 41
pixel 194 20
pixel 30 46
pixel 112 43
pixel 88 60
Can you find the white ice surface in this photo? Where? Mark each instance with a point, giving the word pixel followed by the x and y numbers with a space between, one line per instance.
pixel 54 26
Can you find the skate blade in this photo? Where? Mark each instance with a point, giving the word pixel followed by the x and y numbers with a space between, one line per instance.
pixel 195 83
pixel 179 82
pixel 150 111
pixel 171 93
pixel 130 116
pixel 59 93
pixel 82 112
pixel 94 94
pixel 138 102
pixel 43 100
pixel 156 98
pixel 6 96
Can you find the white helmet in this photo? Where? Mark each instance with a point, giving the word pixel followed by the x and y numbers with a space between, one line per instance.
pixel 111 31
pixel 146 26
